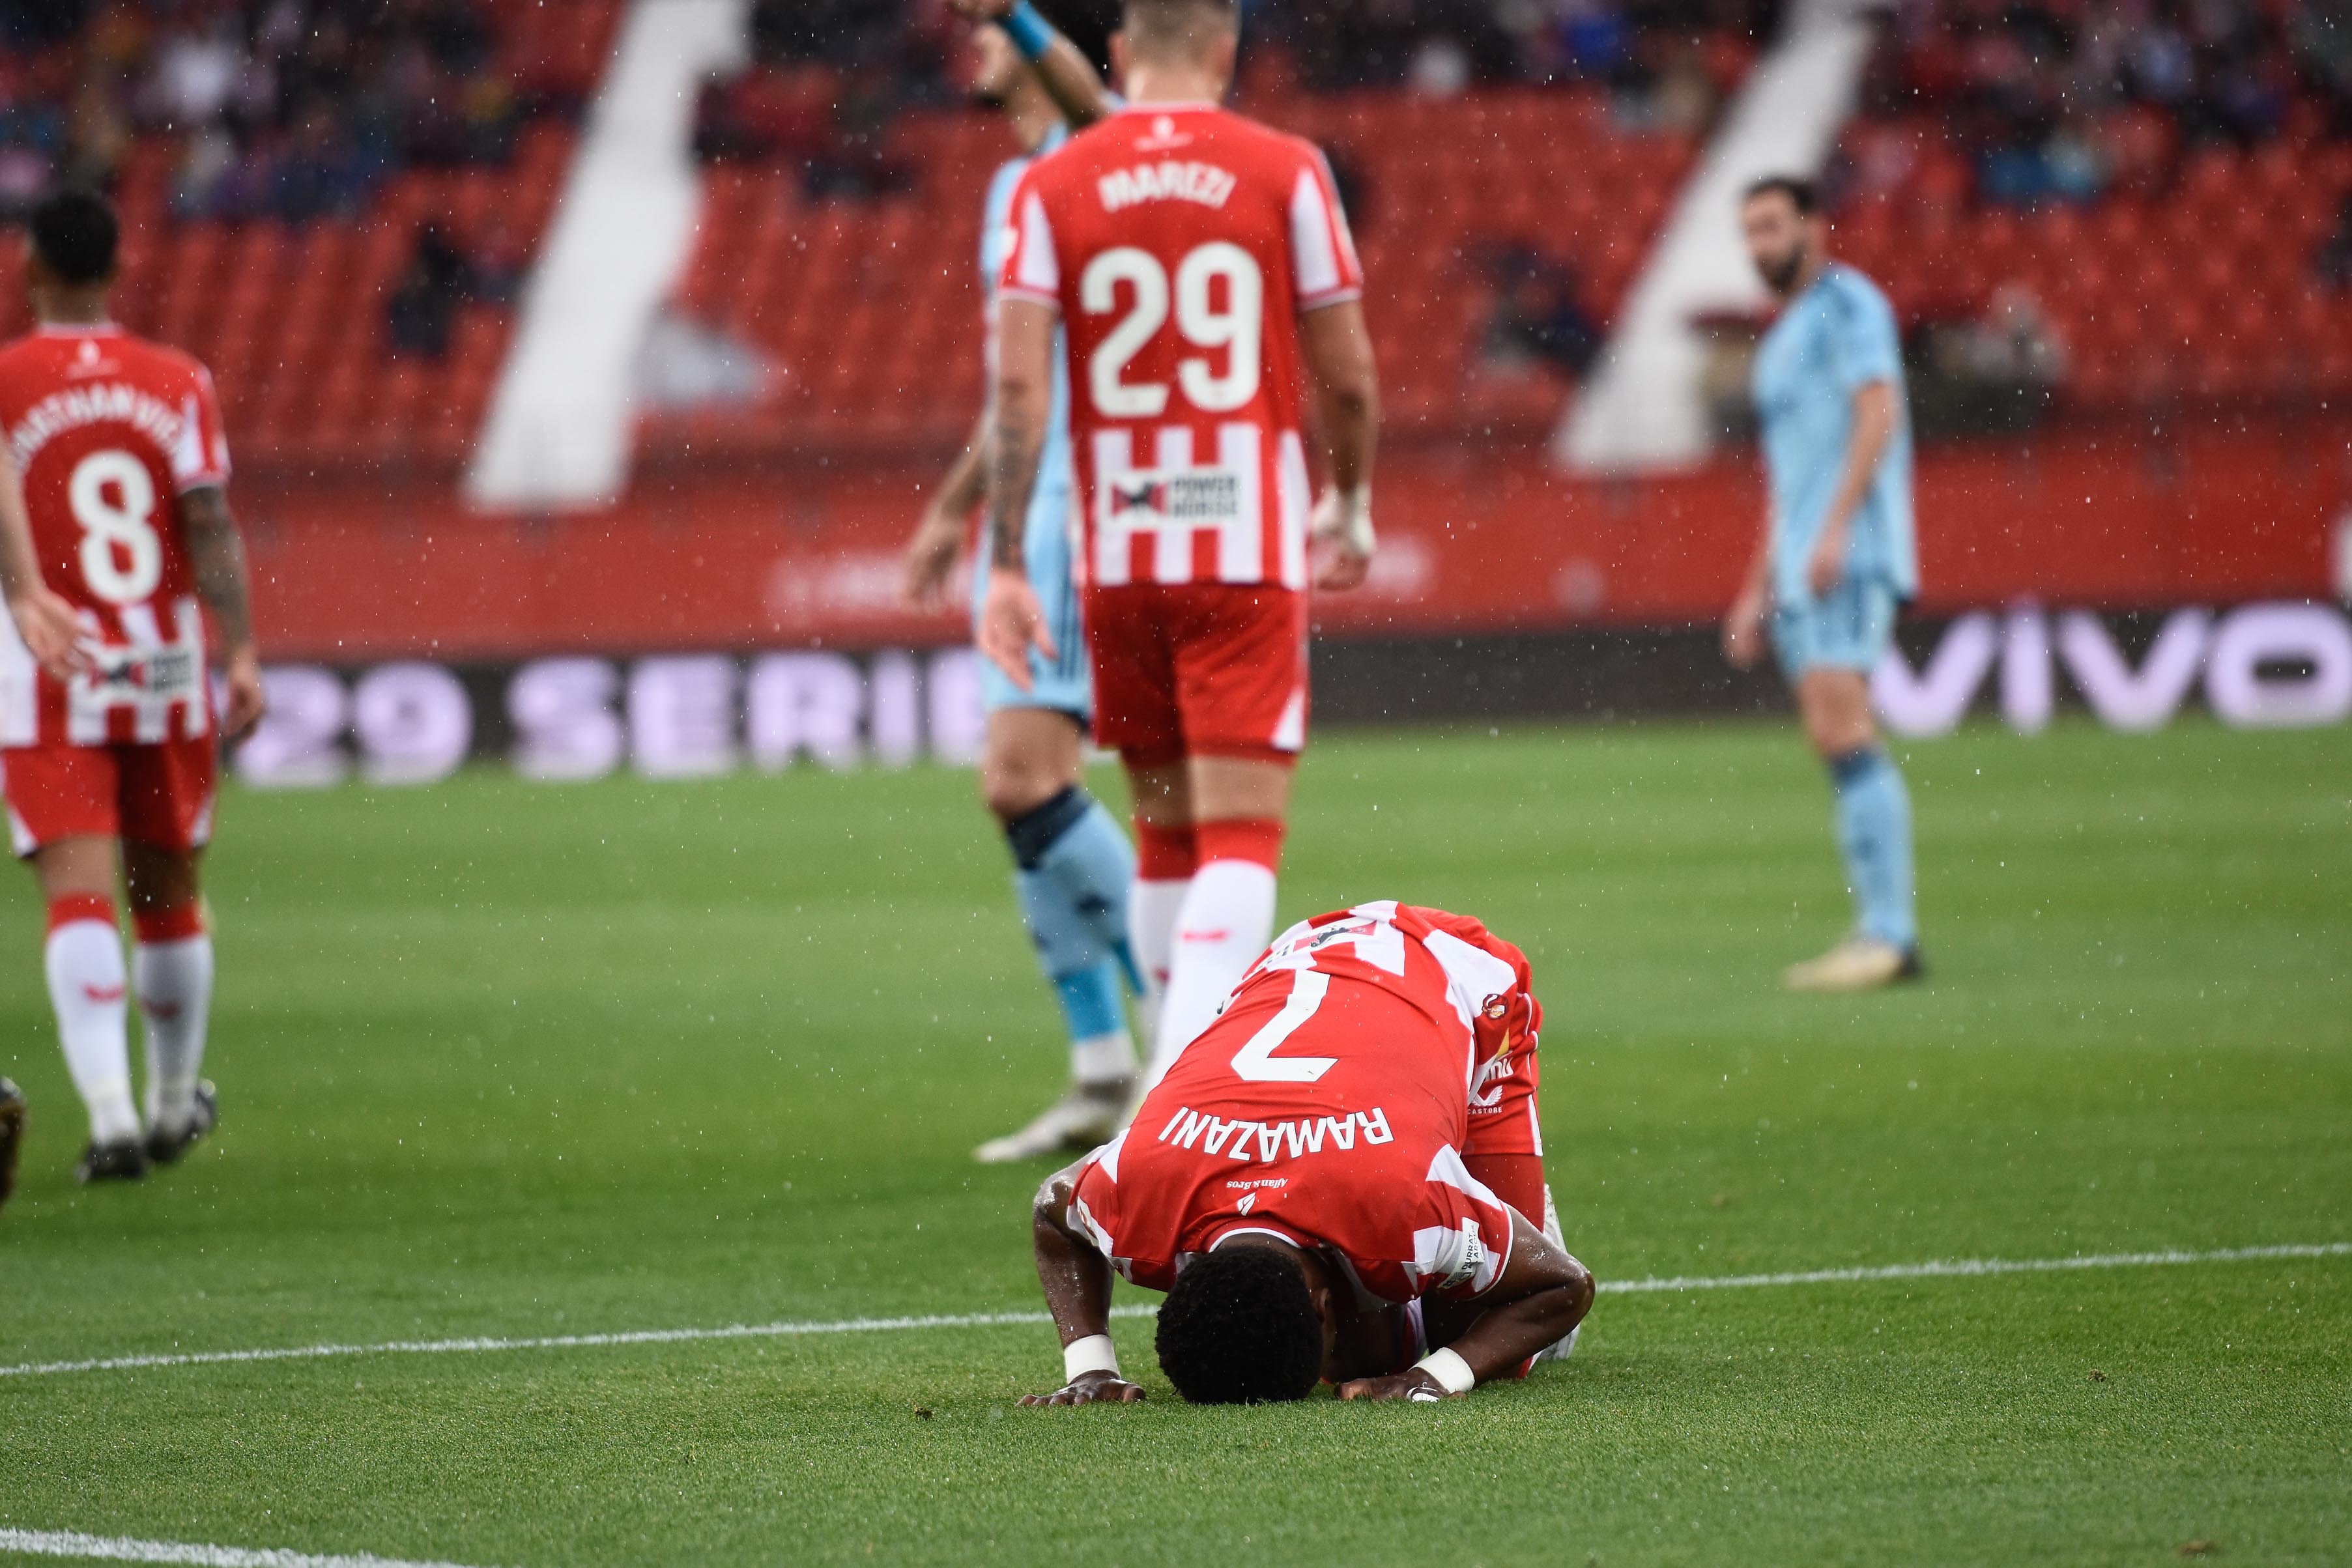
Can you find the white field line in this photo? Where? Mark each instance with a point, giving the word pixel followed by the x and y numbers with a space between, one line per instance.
pixel 1962 1267
pixel 124 1549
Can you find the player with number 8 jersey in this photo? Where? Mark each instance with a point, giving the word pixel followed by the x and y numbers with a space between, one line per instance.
pixel 1201 268
pixel 111 767
pixel 108 431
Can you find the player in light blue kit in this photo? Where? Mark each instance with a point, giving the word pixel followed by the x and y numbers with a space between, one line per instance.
pixel 1837 557
pixel 1074 867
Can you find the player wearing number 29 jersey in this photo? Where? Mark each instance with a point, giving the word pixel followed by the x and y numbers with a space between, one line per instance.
pixel 1190 462
pixel 109 767
pixel 1200 267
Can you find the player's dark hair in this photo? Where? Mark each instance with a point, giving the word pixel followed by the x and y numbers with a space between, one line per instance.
pixel 1240 1328
pixel 1803 194
pixel 75 234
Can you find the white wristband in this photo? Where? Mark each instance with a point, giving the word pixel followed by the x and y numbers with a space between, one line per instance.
pixel 1453 1373
pixel 1092 1353
pixel 1345 517
pixel 1356 517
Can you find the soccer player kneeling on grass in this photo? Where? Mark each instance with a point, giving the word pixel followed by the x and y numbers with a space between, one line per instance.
pixel 1339 1180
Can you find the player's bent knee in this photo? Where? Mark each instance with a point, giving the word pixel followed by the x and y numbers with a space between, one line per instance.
pixel 1015 785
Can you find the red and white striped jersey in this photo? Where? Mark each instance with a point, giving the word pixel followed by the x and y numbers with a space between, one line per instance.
pixel 1181 245
pixel 106 432
pixel 1331 1105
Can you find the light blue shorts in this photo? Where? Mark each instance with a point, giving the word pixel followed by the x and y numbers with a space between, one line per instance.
pixel 1065 684
pixel 1849 630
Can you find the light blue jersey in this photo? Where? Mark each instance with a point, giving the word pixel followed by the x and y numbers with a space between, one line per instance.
pixel 1065 684
pixel 1833 339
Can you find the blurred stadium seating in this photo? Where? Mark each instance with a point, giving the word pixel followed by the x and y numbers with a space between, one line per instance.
pixel 2158 193
pixel 869 307
pixel 280 265
pixel 2148 213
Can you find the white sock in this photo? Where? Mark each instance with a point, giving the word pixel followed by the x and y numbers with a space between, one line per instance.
pixel 1152 911
pixel 1104 1058
pixel 1224 923
pixel 174 981
pixel 84 962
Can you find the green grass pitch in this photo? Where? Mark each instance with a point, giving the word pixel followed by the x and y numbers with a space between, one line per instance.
pixel 506 1060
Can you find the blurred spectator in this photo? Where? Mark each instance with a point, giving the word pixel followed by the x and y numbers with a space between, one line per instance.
pixel 500 261
pixel 1538 319
pixel 2333 265
pixel 2061 101
pixel 2014 344
pixel 318 172
pixel 1995 373
pixel 196 71
pixel 423 311
pixel 294 109
pixel 97 138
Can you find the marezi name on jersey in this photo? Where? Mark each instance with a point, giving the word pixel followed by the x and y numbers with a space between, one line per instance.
pixel 1267 1141
pixel 1167 181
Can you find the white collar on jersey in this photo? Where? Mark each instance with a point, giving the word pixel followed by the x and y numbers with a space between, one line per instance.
pixel 1226 1235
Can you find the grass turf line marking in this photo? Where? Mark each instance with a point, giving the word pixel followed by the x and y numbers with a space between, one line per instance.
pixel 125 1549
pixel 1967 1268
pixel 1961 1268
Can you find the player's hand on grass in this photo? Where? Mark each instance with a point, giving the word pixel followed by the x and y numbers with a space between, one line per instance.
pixel 1415 1387
pixel 246 699
pixel 1341 533
pixel 51 631
pixel 1827 563
pixel 1090 1388
pixel 1743 631
pixel 930 559
pixel 1012 622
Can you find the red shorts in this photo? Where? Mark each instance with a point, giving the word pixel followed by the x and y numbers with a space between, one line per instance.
pixel 1199 669
pixel 160 795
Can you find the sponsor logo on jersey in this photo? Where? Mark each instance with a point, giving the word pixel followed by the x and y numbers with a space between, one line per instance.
pixel 173 674
pixel 111 403
pixel 1487 1088
pixel 1194 498
pixel 1167 181
pixel 1244 1139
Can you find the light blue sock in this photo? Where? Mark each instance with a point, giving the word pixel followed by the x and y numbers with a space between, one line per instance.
pixel 1875 831
pixel 1075 868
